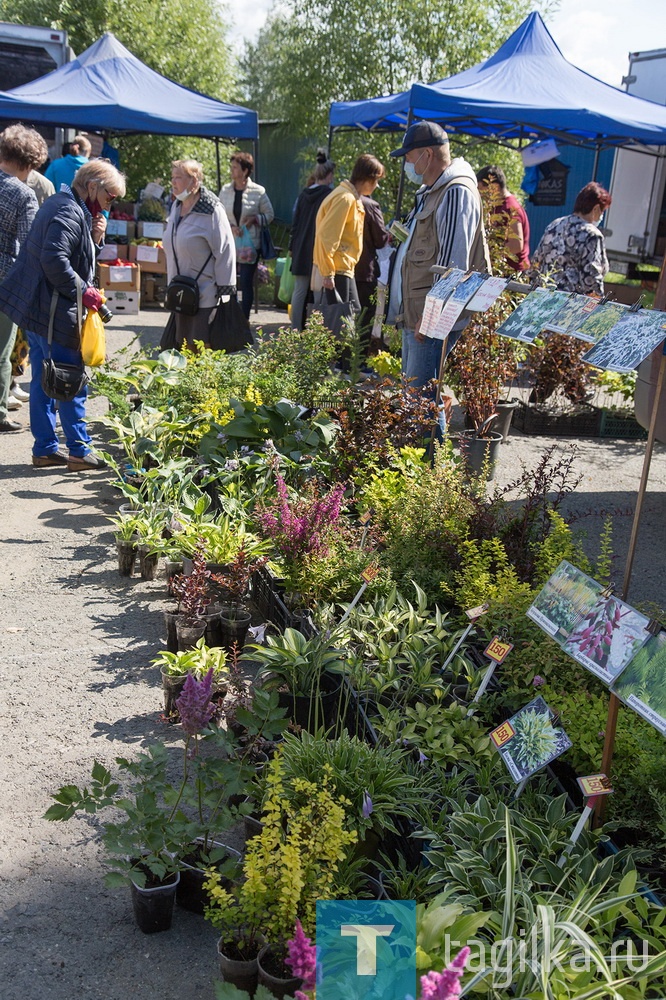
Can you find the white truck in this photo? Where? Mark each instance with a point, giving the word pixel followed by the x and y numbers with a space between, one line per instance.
pixel 635 224
pixel 26 53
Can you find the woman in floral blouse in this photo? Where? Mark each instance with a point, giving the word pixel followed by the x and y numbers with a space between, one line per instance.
pixel 571 254
pixel 572 251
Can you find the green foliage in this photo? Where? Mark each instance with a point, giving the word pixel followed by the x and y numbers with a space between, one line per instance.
pixel 185 42
pixel 197 661
pixel 441 733
pixel 292 661
pixel 299 360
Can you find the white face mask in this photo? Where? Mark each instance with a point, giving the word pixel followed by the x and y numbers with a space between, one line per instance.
pixel 411 172
pixel 182 196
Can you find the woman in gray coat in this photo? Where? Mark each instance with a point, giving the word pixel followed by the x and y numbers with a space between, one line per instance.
pixel 198 243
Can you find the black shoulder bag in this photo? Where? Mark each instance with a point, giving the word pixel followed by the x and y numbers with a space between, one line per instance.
pixel 182 293
pixel 59 381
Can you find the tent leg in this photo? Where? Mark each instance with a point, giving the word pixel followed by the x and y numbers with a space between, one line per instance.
pixel 401 182
pixel 217 161
pixel 330 142
pixel 595 166
pixel 255 153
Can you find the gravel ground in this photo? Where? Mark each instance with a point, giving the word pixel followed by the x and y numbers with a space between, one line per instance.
pixel 75 685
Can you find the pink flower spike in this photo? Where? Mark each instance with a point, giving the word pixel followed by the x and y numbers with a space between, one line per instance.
pixel 445 985
pixel 194 705
pixel 302 957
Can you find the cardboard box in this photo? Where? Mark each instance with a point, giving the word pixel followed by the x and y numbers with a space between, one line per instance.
pixel 123 303
pixel 150 230
pixel 124 208
pixel 113 251
pixel 119 279
pixel 151 259
pixel 124 230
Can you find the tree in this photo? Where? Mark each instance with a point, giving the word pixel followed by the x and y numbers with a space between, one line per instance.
pixel 184 40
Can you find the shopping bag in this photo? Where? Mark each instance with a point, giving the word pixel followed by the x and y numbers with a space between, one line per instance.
pixel 268 251
pixel 93 340
pixel 168 338
pixel 286 287
pixel 229 330
pixel 245 249
pixel 333 310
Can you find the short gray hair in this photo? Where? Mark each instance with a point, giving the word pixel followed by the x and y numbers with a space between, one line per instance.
pixel 100 172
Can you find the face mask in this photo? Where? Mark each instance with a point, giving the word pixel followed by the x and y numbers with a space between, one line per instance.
pixel 94 207
pixel 411 171
pixel 182 196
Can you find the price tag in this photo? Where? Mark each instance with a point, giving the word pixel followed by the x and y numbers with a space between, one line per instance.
pixel 119 274
pixel 497 650
pixel 502 734
pixel 595 784
pixel 116 227
pixel 366 516
pixel 369 573
pixel 474 613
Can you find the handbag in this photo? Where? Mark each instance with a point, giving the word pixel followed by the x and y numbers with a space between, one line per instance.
pixel 168 338
pixel 266 245
pixel 286 287
pixel 333 310
pixel 93 340
pixel 182 292
pixel 245 249
pixel 229 330
pixel 60 381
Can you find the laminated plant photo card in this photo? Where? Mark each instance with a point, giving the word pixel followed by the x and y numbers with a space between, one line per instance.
pixel 528 740
pixel 598 323
pixel 642 685
pixel 528 319
pixel 607 638
pixel 571 313
pixel 564 600
pixel 629 342
pixel 487 294
pixel 456 302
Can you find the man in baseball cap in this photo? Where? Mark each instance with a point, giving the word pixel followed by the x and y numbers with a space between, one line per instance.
pixel 445 227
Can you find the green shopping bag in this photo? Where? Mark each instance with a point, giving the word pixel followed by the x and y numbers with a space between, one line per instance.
pixel 286 288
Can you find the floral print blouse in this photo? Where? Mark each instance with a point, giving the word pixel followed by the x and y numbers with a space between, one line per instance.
pixel 573 255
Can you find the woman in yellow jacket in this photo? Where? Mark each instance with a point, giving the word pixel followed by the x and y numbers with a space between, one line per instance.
pixel 339 230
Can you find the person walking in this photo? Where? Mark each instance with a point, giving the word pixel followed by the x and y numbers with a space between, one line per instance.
pixel 58 259
pixel 302 236
pixel 366 272
pixel 248 207
pixel 506 213
pixel 198 243
pixel 21 150
pixel 445 227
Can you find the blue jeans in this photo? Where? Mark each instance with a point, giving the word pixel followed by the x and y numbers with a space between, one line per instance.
pixel 43 409
pixel 421 363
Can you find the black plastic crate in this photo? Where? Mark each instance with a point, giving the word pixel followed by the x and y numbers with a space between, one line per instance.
pixel 624 428
pixel 581 421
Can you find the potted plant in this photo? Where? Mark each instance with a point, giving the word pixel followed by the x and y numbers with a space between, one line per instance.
pixel 193 593
pixel 174 668
pixel 234 582
pixel 150 528
pixel 125 534
pixel 305 672
pixel 287 867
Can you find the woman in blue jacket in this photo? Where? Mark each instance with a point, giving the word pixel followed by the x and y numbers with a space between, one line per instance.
pixel 58 255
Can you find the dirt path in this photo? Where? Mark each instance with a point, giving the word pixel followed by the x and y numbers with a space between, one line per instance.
pixel 75 684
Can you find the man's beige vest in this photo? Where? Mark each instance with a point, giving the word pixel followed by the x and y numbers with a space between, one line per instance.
pixel 423 252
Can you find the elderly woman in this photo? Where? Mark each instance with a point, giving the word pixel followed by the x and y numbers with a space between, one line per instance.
pixel 21 149
pixel 198 243
pixel 247 206
pixel 56 261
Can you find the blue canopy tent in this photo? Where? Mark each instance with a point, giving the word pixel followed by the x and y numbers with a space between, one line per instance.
pixel 526 91
pixel 108 89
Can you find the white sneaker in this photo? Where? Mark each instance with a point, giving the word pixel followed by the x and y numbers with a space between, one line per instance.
pixel 13 403
pixel 18 393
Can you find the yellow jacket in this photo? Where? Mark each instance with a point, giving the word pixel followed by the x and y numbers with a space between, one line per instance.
pixel 339 231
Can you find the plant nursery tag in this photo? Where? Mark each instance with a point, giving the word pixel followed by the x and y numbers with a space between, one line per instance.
pixel 642 685
pixel 595 784
pixel 528 740
pixel 488 293
pixel 431 313
pixel 474 613
pixel 574 311
pixel 497 650
pixel 369 573
pixel 456 302
pixel 530 316
pixel 366 516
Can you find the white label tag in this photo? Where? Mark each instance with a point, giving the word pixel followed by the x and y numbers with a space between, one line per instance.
pixel 148 254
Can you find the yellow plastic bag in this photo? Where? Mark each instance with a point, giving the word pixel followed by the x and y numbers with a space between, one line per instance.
pixel 93 340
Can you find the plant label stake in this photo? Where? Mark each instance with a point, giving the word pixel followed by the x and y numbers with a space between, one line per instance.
pixel 473 614
pixel 497 651
pixel 368 575
pixel 365 519
pixel 593 786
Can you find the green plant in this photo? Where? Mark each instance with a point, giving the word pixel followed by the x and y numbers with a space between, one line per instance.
pixel 441 733
pixel 197 661
pixel 298 664
pixel 125 527
pixel 400 881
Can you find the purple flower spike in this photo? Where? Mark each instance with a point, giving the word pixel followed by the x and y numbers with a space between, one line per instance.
pixel 367 805
pixel 537 681
pixel 302 958
pixel 445 985
pixel 194 705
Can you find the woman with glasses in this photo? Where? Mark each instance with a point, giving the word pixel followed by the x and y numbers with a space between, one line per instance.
pixel 59 256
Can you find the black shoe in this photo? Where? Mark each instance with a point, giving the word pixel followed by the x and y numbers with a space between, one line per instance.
pixel 10 425
pixel 47 461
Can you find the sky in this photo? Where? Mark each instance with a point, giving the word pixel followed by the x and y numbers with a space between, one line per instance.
pixel 595 35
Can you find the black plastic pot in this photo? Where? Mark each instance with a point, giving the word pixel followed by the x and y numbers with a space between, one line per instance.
pixel 480 453
pixel 172 567
pixel 170 619
pixel 244 974
pixel 153 908
pixel 172 688
pixel 191 894
pixel 311 712
pixel 234 625
pixel 148 562
pixel 268 965
pixel 126 556
pixel 188 634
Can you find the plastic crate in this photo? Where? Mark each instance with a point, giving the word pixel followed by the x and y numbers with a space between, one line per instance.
pixel 614 426
pixel 583 421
